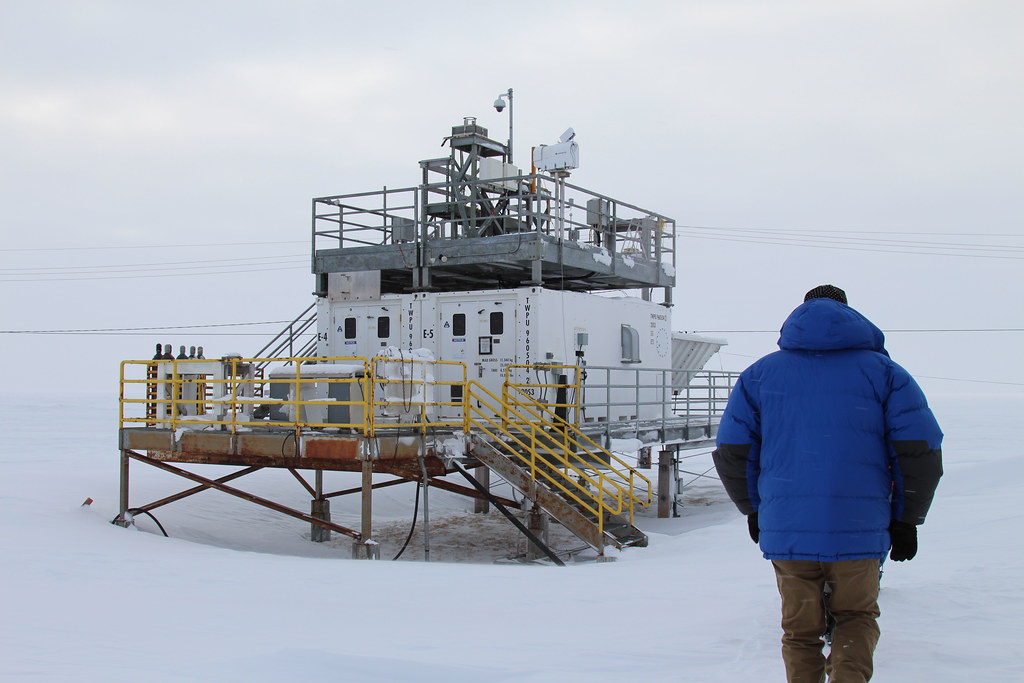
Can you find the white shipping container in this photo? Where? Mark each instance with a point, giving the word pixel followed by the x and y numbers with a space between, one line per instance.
pixel 489 330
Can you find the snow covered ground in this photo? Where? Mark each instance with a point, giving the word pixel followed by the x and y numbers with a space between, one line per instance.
pixel 238 593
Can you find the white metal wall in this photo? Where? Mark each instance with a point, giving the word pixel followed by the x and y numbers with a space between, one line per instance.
pixel 489 330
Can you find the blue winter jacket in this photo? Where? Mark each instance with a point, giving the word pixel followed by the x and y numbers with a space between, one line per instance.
pixel 828 440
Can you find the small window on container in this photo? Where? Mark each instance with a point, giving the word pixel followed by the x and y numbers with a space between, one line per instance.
pixel 383 327
pixel 497 322
pixel 630 345
pixel 459 325
pixel 350 328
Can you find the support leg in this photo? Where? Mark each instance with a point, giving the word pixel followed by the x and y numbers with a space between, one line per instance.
pixel 483 475
pixel 122 508
pixel 366 548
pixel 536 272
pixel 538 526
pixel 320 508
pixel 426 510
pixel 666 482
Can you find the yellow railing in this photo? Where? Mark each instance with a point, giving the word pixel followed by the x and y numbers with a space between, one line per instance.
pixel 540 401
pixel 544 391
pixel 557 453
pixel 338 392
pixel 636 486
pixel 370 397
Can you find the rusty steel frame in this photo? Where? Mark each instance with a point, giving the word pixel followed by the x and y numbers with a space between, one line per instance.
pixel 206 483
pixel 305 484
pixel 358 489
pixel 436 483
pixel 473 493
pixel 192 491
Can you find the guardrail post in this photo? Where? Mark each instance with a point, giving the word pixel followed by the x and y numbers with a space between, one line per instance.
pixel 666 483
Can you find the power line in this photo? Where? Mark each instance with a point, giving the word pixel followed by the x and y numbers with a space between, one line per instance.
pixel 162 271
pixel 155 246
pixel 893 244
pixel 126 269
pixel 975 381
pixel 148 334
pixel 162 263
pixel 977 329
pixel 803 243
pixel 141 329
pixel 949 379
pixel 854 240
pixel 133 277
pixel 858 232
pixel 794 235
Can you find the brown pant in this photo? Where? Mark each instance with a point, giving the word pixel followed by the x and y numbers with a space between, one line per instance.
pixel 854 604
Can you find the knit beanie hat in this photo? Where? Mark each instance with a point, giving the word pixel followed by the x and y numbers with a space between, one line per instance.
pixel 826 292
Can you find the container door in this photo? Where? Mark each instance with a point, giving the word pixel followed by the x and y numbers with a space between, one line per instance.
pixel 481 334
pixel 365 330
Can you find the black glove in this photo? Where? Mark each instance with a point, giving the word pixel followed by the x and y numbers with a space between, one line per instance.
pixel 904 541
pixel 753 528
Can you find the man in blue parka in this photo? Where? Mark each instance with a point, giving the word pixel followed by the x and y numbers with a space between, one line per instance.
pixel 831 451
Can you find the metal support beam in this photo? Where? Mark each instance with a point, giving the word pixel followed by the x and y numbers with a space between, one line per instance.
pixel 197 489
pixel 358 489
pixel 277 507
pixel 305 484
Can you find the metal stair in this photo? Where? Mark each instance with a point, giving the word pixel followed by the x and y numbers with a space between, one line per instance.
pixel 614 530
pixel 625 534
pixel 552 463
pixel 289 342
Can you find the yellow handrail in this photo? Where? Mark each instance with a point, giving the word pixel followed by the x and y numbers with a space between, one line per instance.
pixel 174 394
pixel 528 388
pixel 547 445
pixel 581 442
pixel 531 452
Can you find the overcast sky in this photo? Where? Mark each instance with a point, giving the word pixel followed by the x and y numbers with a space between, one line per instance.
pixel 874 145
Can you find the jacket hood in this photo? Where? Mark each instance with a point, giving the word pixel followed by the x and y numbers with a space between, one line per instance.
pixel 827 325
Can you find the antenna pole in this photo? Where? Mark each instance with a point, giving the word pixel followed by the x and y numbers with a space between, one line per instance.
pixel 509 93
